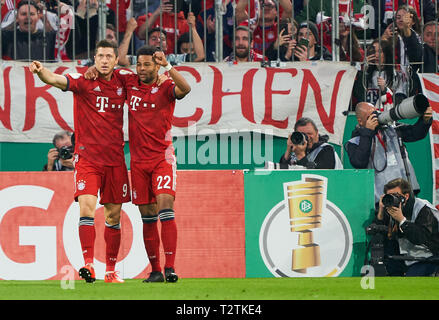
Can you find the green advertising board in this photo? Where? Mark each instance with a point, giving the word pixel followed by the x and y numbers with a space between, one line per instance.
pixel 307 223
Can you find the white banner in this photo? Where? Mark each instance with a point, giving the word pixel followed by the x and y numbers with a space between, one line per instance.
pixel 430 88
pixel 224 98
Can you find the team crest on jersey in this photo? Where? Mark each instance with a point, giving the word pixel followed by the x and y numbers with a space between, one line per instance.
pixel 119 91
pixel 81 184
pixel 154 90
pixel 270 35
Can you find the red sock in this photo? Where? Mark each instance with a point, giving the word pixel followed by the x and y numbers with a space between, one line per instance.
pixel 152 241
pixel 112 240
pixel 168 236
pixel 87 235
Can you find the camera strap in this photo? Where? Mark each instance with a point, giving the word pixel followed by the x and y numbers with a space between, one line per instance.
pixel 382 139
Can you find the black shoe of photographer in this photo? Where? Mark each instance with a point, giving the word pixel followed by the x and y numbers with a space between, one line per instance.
pixel 170 275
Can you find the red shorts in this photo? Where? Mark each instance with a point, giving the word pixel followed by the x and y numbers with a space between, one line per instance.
pixel 148 179
pixel 111 181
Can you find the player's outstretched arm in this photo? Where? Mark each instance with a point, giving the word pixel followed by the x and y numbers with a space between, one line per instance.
pixel 182 87
pixel 48 76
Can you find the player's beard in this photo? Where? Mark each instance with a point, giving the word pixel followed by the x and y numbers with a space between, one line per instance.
pixel 149 77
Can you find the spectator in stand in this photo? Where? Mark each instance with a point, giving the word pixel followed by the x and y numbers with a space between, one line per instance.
pixel 345 33
pixel 377 79
pixel 139 8
pixel 158 38
pixel 84 39
pixel 313 51
pixel 210 29
pixel 267 22
pixel 285 43
pixel 431 48
pixel 42 44
pixel 244 47
pixel 124 59
pixel 49 21
pixel 408 52
pixel 164 17
pixel 388 17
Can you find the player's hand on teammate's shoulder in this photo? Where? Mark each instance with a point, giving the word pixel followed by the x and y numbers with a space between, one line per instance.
pixel 35 67
pixel 91 73
pixel 161 79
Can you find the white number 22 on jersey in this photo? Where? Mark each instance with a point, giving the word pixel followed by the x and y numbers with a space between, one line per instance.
pixel 166 180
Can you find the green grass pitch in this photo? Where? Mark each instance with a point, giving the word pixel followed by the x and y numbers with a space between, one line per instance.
pixel 380 288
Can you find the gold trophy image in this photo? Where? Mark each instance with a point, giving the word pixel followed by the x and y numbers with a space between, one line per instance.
pixel 306 200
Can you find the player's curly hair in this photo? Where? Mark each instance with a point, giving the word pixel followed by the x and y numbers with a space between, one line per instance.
pixel 146 51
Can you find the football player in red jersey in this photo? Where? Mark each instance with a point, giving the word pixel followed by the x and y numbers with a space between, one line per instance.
pixel 153 162
pixel 99 157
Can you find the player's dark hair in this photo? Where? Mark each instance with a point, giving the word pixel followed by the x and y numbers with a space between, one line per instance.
pixel 106 44
pixel 146 51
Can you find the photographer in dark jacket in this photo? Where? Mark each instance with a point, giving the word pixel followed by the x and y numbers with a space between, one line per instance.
pixel 415 225
pixel 60 162
pixel 377 147
pixel 314 152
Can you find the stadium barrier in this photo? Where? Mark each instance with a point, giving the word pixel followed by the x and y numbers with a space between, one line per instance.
pixel 231 223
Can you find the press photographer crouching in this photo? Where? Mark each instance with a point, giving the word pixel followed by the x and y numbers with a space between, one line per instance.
pixel 307 148
pixel 60 158
pixel 378 140
pixel 413 222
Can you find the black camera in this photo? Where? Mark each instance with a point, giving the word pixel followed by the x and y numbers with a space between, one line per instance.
pixel 374 228
pixel 392 200
pixel 65 152
pixel 298 137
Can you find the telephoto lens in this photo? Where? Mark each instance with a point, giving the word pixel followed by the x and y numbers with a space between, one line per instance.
pixel 392 200
pixel 298 137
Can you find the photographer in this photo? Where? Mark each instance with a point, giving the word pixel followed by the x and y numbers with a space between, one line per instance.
pixel 377 146
pixel 309 149
pixel 60 158
pixel 415 225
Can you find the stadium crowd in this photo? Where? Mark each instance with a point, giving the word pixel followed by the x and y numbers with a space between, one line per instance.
pixel 388 44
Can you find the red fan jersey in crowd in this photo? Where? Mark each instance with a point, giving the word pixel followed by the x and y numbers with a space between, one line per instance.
pixel 121 7
pixel 258 36
pixel 7 6
pixel 168 24
pixel 98 118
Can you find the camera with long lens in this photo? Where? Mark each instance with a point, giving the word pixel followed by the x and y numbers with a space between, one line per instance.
pixel 65 152
pixel 393 200
pixel 409 108
pixel 298 137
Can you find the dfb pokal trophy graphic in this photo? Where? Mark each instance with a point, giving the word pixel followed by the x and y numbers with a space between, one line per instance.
pixel 306 200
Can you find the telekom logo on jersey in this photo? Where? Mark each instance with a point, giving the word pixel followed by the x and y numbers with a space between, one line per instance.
pixel 102 104
pixel 135 102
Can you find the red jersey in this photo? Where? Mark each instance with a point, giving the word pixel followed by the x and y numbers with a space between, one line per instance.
pixel 98 118
pixel 151 110
pixel 168 24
